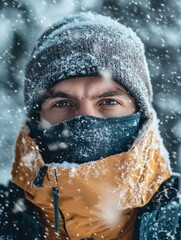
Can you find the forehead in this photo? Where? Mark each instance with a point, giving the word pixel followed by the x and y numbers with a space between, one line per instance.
pixel 87 84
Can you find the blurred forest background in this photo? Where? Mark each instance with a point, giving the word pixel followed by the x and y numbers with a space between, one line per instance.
pixel 157 22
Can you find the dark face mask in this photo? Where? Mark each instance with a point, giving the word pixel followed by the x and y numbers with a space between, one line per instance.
pixel 86 138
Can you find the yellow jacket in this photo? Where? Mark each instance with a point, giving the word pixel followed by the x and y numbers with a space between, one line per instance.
pixel 98 199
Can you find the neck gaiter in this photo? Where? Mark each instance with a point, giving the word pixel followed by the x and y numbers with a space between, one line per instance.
pixel 85 138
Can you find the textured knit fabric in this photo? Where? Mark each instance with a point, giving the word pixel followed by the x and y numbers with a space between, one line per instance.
pixel 86 138
pixel 88 45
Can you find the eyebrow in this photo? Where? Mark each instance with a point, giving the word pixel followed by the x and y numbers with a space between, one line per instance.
pixel 110 93
pixel 106 93
pixel 52 95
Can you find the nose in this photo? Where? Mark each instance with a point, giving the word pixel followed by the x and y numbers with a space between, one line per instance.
pixel 85 108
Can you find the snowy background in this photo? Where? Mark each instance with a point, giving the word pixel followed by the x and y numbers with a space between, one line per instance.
pixel 157 22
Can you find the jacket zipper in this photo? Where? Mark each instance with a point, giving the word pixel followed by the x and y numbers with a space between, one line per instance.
pixel 57 210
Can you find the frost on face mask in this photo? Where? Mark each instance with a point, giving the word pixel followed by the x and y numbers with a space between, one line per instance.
pixel 86 138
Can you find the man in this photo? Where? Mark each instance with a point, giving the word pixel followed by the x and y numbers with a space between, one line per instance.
pixel 90 163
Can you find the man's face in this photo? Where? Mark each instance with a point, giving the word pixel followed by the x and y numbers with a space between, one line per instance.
pixel 93 96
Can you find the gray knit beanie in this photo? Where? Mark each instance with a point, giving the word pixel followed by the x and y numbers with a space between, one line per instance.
pixel 87 45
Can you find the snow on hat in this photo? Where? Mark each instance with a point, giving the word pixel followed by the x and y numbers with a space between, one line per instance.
pixel 87 45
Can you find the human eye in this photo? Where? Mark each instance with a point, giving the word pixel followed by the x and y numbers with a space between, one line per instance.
pixel 62 104
pixel 109 102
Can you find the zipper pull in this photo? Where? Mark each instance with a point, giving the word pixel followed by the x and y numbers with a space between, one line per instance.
pixel 56 210
pixel 38 182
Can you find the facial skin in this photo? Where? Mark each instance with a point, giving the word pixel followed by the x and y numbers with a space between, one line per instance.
pixel 93 96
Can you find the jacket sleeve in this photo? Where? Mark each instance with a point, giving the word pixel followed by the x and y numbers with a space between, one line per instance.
pixel 17 216
pixel 162 223
pixel 161 217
